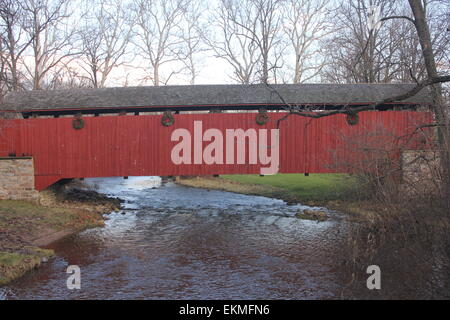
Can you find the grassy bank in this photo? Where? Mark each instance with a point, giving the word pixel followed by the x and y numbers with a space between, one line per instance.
pixel 336 191
pixel 13 265
pixel 315 187
pixel 25 226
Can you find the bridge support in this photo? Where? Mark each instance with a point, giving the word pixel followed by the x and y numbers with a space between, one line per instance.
pixel 17 179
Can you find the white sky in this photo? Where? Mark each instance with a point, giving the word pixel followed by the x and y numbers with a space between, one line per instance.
pixel 214 71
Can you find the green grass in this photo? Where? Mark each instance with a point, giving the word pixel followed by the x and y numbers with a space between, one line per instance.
pixel 13 264
pixel 23 224
pixel 315 187
pixel 11 259
pixel 336 191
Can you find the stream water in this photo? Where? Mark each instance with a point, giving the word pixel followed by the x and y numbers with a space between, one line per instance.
pixel 175 242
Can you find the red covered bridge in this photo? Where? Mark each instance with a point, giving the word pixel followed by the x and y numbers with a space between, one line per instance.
pixel 120 132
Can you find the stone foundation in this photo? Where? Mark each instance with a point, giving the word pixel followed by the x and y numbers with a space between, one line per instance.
pixel 420 171
pixel 17 179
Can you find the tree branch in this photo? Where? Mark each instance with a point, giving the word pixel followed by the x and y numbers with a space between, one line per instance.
pixel 398 17
pixel 292 110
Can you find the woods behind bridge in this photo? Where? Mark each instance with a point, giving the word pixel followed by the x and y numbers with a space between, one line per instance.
pixel 53 44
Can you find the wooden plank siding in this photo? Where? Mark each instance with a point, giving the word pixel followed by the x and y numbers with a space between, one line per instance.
pixel 112 146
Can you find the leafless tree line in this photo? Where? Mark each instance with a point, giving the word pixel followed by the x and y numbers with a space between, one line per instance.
pixel 47 44
pixel 389 53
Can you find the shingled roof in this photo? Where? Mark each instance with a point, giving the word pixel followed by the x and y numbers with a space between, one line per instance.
pixel 206 95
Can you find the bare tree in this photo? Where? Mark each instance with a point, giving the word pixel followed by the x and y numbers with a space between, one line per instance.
pixel 68 77
pixel 190 33
pixel 52 37
pixel 439 108
pixel 249 37
pixel 105 37
pixel 267 35
pixel 13 43
pixel 358 53
pixel 391 53
pixel 155 35
pixel 3 69
pixel 233 43
pixel 306 24
pixel 409 55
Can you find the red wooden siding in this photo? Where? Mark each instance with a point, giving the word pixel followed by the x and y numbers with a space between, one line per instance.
pixel 140 146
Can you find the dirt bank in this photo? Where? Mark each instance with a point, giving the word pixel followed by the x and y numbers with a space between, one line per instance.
pixel 61 211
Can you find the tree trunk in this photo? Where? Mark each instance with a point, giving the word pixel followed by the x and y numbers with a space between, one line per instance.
pixel 156 75
pixel 37 54
pixel 297 69
pixel 439 108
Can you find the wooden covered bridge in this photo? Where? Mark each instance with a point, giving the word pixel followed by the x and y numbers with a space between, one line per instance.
pixel 130 131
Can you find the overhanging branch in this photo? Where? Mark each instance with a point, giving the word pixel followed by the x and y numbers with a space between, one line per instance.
pixel 292 110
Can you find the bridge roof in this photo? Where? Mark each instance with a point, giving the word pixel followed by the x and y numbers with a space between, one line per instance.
pixel 191 97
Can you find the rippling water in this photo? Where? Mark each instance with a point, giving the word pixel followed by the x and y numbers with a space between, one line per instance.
pixel 175 242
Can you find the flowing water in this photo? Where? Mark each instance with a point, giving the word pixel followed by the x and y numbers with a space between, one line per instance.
pixel 175 242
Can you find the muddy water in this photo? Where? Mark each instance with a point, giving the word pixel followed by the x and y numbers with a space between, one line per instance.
pixel 174 242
